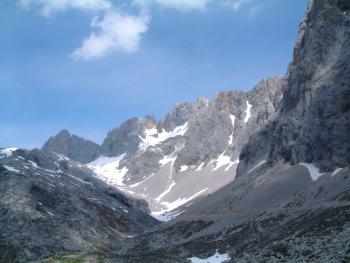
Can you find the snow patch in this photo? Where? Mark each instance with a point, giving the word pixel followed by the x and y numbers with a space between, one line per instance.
pixel 166 191
pixel 8 151
pixel 169 212
pixel 222 161
pixel 336 171
pixel 199 168
pixel 61 157
pixel 152 137
pixel 144 180
pixel 256 166
pixel 216 258
pixel 78 179
pixel 35 165
pixel 313 170
pixel 167 216
pixel 183 168
pixel 11 169
pixel 248 111
pixel 107 169
pixel 233 119
pixel 167 159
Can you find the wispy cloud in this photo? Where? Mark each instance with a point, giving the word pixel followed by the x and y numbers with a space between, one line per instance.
pixel 236 5
pixel 112 30
pixel 177 4
pixel 116 32
pixel 48 7
pixel 193 4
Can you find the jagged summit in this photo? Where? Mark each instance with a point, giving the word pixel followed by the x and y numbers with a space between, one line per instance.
pixel 73 147
pixel 155 160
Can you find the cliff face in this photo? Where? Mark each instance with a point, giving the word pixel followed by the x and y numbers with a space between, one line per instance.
pixel 313 124
pixel 73 147
pixel 126 137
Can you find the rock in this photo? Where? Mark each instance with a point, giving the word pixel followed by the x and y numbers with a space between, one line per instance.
pixel 73 147
pixel 313 124
pixel 50 205
pixel 126 138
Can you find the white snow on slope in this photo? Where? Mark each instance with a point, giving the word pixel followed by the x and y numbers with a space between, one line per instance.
pixel 167 213
pixel 184 168
pixel 107 169
pixel 167 191
pixel 216 258
pixel 313 170
pixel 78 179
pixel 256 166
pixel 222 161
pixel 336 171
pixel 233 119
pixel 141 182
pixel 11 169
pixel 199 168
pixel 167 159
pixel 166 216
pixel 248 111
pixel 152 137
pixel 7 152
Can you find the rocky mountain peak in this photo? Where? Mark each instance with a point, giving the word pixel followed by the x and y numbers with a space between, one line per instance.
pixel 72 146
pixel 126 137
pixel 313 122
pixel 177 116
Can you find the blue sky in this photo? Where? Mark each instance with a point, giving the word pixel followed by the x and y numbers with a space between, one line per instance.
pixel 88 65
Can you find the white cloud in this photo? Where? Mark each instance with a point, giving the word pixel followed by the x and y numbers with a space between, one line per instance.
pixel 236 4
pixel 193 4
pixel 177 4
pixel 115 32
pixel 49 7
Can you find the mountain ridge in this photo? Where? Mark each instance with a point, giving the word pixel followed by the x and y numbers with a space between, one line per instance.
pixel 288 141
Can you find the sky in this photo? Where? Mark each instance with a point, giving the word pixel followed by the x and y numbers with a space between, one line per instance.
pixel 89 65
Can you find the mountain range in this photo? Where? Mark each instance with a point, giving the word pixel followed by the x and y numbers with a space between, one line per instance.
pixel 257 176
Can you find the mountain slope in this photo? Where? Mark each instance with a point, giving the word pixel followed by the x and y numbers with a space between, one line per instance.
pixel 290 201
pixel 193 151
pixel 50 204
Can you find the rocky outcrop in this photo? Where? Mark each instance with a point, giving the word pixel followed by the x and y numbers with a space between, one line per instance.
pixel 73 147
pixel 313 124
pixel 126 138
pixel 156 161
pixel 51 205
pixel 224 125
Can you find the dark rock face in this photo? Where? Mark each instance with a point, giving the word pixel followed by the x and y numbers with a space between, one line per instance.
pixel 50 204
pixel 313 124
pixel 223 125
pixel 176 117
pixel 126 138
pixel 73 147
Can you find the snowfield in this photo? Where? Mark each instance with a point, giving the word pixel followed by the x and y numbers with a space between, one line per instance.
pixel 216 258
